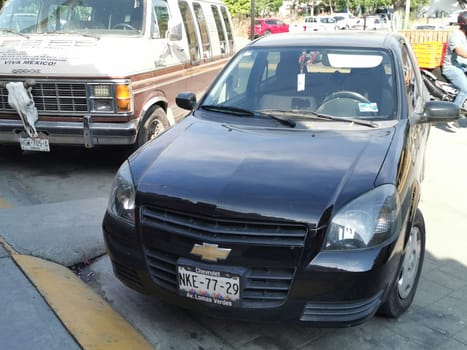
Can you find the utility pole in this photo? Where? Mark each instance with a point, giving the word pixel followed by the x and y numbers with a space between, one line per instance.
pixel 407 12
pixel 252 25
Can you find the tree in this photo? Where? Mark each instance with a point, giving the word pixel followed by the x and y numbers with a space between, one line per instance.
pixel 243 7
pixel 239 7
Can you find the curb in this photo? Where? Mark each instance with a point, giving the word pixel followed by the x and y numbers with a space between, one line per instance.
pixel 88 318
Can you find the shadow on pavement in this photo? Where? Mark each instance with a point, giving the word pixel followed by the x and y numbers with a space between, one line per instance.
pixel 452 126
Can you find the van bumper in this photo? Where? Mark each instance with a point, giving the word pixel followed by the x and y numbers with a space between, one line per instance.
pixel 86 133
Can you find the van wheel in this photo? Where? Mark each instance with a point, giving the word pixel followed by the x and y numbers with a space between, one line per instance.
pixel 153 124
pixel 403 289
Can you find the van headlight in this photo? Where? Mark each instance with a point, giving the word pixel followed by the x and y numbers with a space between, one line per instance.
pixel 122 195
pixel 113 97
pixel 367 221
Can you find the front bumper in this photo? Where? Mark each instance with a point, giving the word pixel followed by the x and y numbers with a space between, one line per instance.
pixel 334 289
pixel 86 133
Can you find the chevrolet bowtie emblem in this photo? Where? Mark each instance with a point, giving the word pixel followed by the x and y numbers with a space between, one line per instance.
pixel 210 252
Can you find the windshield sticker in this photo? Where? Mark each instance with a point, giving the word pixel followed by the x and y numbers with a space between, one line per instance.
pixel 368 107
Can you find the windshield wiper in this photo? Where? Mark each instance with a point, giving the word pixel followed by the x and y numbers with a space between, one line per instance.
pixel 248 113
pixel 321 116
pixel 7 30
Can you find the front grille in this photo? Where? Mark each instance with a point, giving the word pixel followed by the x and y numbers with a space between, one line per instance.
pixel 221 230
pixel 265 287
pixel 163 269
pixel 127 274
pixel 268 287
pixel 53 97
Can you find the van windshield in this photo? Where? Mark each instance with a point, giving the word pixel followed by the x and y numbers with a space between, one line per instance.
pixel 98 17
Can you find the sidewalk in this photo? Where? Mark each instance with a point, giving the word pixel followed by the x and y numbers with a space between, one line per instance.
pixel 26 321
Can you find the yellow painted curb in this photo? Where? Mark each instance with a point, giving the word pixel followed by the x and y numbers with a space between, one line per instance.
pixel 91 321
pixel 4 204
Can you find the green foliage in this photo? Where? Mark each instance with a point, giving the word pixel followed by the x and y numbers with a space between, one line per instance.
pixel 239 7
pixel 243 7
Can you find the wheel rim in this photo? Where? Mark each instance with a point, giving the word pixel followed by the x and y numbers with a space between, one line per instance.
pixel 410 263
pixel 154 129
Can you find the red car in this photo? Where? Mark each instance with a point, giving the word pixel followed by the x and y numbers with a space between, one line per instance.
pixel 266 26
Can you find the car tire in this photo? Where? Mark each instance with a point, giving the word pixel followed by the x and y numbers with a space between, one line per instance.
pixel 403 290
pixel 267 32
pixel 153 124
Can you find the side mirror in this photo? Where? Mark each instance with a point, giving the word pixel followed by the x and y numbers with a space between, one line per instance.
pixel 175 30
pixel 440 111
pixel 186 100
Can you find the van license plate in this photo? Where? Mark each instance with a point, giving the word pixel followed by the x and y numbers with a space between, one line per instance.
pixel 210 286
pixel 34 144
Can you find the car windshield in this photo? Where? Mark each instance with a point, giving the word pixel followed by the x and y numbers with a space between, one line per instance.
pixel 302 82
pixel 92 17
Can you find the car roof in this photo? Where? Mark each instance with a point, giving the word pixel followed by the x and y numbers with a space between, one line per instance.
pixel 367 39
pixel 267 18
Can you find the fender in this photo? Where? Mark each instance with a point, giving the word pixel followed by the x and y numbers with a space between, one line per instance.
pixel 157 100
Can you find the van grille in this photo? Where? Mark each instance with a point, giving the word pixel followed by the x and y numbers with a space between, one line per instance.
pixel 53 97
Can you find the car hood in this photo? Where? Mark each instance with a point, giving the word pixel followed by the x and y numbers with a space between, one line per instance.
pixel 268 172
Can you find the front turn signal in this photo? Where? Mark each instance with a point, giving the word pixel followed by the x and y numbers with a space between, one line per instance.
pixel 124 100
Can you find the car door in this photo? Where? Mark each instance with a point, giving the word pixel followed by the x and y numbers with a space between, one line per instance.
pixel 416 98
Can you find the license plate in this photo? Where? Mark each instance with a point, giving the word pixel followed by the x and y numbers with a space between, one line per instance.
pixel 210 286
pixel 40 143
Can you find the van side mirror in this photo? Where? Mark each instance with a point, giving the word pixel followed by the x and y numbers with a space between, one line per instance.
pixel 175 30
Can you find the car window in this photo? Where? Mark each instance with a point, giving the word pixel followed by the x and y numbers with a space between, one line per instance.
pixel 340 82
pixel 413 87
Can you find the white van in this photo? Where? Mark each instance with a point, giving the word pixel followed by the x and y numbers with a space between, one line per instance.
pixel 104 72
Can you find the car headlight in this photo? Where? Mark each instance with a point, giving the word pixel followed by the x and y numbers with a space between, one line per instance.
pixel 367 221
pixel 122 196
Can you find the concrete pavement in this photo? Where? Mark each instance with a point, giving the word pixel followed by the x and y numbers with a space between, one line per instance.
pixel 43 305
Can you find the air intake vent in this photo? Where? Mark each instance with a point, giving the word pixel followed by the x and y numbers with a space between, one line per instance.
pixel 265 287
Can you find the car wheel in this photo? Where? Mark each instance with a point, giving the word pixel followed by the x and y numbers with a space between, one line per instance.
pixel 267 32
pixel 153 124
pixel 402 292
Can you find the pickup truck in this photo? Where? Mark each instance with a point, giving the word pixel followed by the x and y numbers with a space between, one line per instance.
pixel 316 23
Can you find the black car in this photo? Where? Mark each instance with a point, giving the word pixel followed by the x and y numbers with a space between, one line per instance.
pixel 290 191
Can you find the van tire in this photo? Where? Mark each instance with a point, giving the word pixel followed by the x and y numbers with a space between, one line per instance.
pixel 154 123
